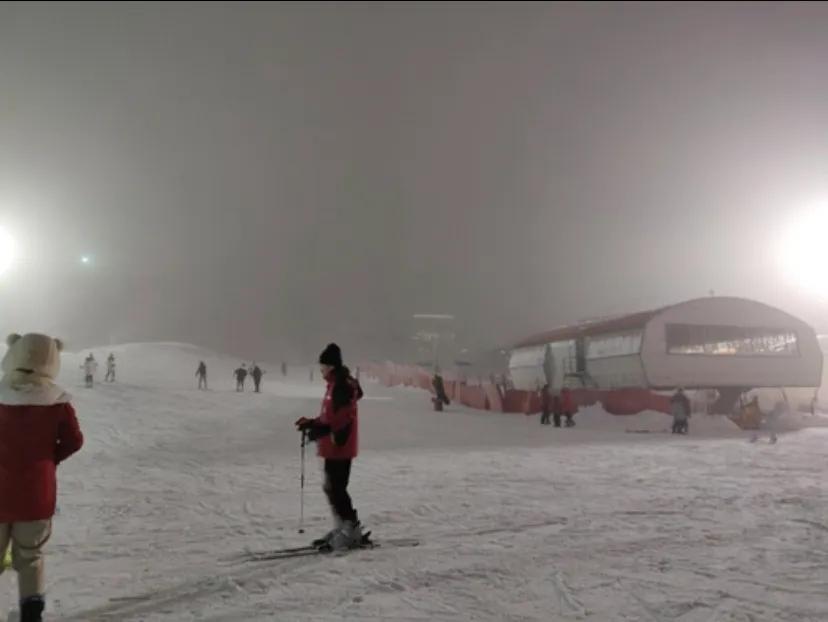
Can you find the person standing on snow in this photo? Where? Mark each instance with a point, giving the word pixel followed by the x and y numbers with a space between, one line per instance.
pixel 439 391
pixel 241 375
pixel 546 407
pixel 38 431
pixel 557 410
pixel 336 432
pixel 201 374
pixel 110 368
pixel 257 374
pixel 680 408
pixel 90 366
pixel 568 406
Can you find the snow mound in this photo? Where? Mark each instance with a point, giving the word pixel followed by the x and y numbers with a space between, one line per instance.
pixel 650 421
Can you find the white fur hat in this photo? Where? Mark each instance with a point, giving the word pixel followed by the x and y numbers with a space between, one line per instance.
pixel 32 358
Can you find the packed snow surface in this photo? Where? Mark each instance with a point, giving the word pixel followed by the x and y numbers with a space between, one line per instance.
pixel 612 520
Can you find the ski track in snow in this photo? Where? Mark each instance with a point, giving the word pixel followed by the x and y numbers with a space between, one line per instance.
pixel 517 522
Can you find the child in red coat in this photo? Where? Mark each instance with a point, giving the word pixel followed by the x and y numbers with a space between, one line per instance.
pixel 38 430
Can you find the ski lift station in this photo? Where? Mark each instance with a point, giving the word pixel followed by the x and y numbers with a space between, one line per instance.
pixel 728 344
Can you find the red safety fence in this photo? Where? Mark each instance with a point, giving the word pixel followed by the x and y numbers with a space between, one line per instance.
pixel 473 397
pixel 488 396
pixel 495 402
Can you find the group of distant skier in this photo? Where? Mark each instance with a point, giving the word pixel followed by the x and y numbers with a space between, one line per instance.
pixel 35 413
pixel 240 374
pixel 557 405
pixel 90 367
pixel 562 404
pixel 255 372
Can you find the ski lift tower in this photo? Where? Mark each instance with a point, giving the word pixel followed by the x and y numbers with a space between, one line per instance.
pixel 434 327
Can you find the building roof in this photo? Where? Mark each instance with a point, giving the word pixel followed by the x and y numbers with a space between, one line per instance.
pixel 617 324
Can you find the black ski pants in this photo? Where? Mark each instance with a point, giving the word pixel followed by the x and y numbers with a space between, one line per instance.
pixel 337 474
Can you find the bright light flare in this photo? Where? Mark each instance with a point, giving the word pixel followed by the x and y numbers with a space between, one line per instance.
pixel 8 250
pixel 803 251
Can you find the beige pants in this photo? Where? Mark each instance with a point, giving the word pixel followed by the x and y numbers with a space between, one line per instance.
pixel 27 541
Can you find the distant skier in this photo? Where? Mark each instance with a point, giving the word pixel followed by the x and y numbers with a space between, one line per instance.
pixel 680 409
pixel 257 374
pixel 110 368
pixel 546 406
pixel 38 431
pixel 284 369
pixel 557 410
pixel 90 366
pixel 773 420
pixel 201 374
pixel 336 431
pixel 568 407
pixel 241 375
pixel 440 398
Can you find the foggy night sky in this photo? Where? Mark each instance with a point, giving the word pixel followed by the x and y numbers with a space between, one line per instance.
pixel 262 179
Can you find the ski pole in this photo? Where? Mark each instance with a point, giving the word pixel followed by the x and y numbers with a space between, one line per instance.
pixel 302 486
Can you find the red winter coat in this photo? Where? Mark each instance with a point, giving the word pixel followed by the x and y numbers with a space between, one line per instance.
pixel 567 403
pixel 34 439
pixel 341 421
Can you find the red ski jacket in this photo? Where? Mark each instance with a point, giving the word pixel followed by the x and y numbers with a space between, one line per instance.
pixel 567 403
pixel 34 438
pixel 342 440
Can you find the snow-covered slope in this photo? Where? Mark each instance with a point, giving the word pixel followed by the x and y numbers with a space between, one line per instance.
pixel 516 521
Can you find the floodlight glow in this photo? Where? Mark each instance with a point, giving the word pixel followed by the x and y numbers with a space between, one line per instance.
pixel 803 253
pixel 8 250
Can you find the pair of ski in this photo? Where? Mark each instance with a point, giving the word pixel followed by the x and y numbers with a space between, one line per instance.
pixel 318 549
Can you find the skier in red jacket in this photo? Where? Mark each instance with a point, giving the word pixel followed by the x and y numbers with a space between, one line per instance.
pixel 38 431
pixel 336 432
pixel 568 406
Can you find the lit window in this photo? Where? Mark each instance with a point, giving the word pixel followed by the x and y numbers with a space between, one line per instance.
pixel 625 344
pixel 730 340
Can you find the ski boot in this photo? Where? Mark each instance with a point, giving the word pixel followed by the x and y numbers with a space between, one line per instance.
pixel 324 540
pixel 31 609
pixel 348 537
